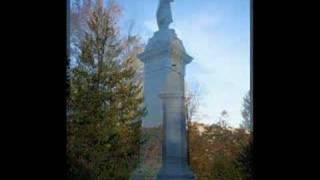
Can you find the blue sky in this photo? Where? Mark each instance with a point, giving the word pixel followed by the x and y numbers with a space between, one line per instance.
pixel 216 33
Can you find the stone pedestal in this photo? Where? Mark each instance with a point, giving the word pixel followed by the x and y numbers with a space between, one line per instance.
pixel 163 54
pixel 174 150
pixel 164 61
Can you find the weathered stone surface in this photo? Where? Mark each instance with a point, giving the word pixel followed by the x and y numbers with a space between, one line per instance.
pixel 163 55
pixel 164 61
pixel 174 153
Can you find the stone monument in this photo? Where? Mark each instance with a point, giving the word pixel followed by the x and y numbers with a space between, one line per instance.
pixel 164 61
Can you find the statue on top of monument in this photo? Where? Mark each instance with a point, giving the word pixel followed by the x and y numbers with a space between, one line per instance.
pixel 164 16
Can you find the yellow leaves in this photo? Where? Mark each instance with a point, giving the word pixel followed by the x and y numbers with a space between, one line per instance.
pixel 214 151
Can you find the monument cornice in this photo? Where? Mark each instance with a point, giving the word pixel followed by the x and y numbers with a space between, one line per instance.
pixel 169 51
pixel 171 95
pixel 150 54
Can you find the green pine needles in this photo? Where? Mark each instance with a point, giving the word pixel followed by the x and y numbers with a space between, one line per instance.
pixel 104 105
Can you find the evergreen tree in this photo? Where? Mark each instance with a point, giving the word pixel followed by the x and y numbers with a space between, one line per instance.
pixel 245 162
pixel 245 157
pixel 105 104
pixel 246 113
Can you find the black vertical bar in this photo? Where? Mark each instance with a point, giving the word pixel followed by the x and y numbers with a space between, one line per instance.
pixel 68 30
pixel 67 74
pixel 251 62
pixel 251 57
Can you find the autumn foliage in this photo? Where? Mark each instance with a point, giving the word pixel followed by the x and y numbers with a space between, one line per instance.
pixel 215 151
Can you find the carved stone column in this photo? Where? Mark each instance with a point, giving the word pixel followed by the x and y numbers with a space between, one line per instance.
pixel 164 61
pixel 174 150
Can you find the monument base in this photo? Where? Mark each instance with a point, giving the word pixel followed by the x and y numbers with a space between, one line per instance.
pixel 172 173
